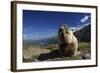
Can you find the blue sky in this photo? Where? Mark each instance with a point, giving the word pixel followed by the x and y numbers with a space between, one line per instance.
pixel 43 24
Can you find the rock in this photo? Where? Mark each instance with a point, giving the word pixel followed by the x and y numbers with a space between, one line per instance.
pixel 86 55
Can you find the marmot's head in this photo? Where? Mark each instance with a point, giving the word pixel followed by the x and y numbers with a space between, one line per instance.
pixel 64 29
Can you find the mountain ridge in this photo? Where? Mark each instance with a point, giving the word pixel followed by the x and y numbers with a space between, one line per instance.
pixel 83 35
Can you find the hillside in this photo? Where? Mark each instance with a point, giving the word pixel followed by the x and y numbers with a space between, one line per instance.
pixel 34 50
pixel 84 35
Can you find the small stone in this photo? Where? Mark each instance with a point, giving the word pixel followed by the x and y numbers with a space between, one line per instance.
pixel 86 56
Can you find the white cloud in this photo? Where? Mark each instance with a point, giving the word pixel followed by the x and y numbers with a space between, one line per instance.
pixel 79 27
pixel 28 29
pixel 38 35
pixel 25 37
pixel 84 19
pixel 86 24
pixel 73 28
pixel 76 28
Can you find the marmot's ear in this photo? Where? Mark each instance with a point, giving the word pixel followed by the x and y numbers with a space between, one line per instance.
pixel 62 25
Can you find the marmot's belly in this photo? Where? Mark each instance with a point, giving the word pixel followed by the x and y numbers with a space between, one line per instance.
pixel 69 50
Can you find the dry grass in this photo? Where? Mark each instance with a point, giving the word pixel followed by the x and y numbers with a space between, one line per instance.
pixel 31 53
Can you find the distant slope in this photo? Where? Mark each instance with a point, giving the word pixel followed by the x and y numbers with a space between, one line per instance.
pixel 84 35
pixel 53 40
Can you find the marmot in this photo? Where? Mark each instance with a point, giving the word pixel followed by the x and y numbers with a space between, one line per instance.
pixel 69 43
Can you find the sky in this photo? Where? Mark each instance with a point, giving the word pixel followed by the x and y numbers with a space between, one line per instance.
pixel 44 24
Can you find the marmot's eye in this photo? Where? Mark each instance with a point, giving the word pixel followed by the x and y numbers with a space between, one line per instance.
pixel 61 29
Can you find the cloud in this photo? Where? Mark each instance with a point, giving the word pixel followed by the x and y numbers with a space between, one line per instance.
pixel 84 19
pixel 25 37
pixel 86 24
pixel 28 29
pixel 38 35
pixel 79 27
pixel 76 28
pixel 73 28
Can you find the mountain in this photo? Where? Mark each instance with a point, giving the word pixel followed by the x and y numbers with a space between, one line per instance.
pixel 84 34
pixel 42 42
pixel 53 40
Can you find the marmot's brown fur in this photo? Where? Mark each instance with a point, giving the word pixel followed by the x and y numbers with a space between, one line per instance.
pixel 69 42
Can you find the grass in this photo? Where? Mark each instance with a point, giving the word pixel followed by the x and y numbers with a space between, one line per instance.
pixel 84 45
pixel 32 49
